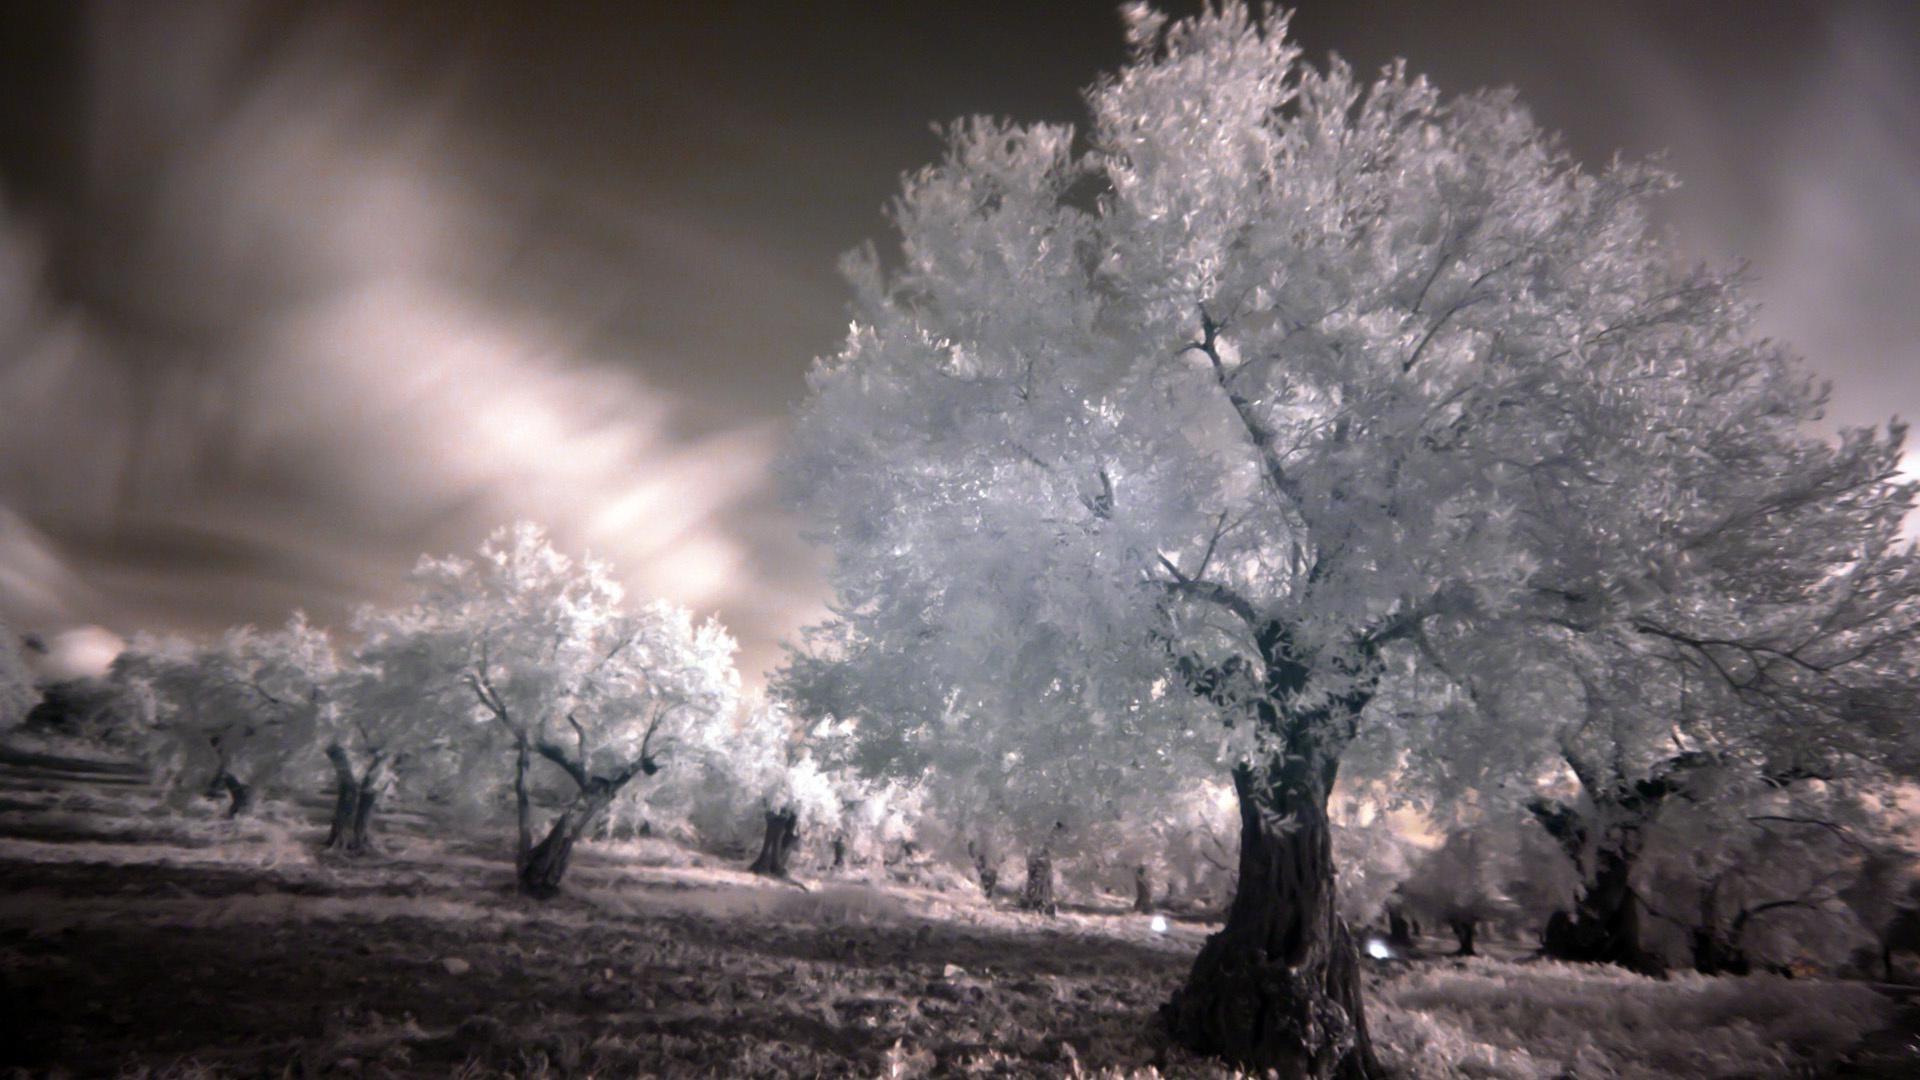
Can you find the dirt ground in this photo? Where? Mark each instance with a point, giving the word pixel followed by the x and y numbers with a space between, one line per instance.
pixel 115 968
pixel 143 938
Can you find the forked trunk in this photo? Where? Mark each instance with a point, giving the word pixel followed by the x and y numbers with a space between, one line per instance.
pixel 547 863
pixel 776 845
pixel 353 803
pixel 1142 890
pixel 1037 893
pixel 1278 988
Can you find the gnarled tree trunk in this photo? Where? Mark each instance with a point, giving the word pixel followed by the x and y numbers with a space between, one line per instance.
pixel 1604 927
pixel 547 863
pixel 1037 893
pixel 1278 988
pixel 776 845
pixel 354 800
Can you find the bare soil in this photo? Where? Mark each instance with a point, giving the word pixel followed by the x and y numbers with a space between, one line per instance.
pixel 116 968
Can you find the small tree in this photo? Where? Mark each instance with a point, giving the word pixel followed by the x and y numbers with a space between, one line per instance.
pixel 17 691
pixel 548 657
pixel 236 714
pixel 1462 883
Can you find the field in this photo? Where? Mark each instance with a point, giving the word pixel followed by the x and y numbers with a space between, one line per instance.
pixel 138 940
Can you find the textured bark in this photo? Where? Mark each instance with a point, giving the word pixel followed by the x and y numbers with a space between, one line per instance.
pixel 1037 893
pixel 355 797
pixel 776 845
pixel 547 862
pixel 1278 988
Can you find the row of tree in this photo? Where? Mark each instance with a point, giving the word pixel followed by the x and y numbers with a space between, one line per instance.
pixel 1283 430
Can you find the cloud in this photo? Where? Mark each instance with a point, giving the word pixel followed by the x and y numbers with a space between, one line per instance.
pixel 304 331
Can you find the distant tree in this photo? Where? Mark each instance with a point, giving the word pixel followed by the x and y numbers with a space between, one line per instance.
pixel 772 766
pixel 18 694
pixel 551 661
pixel 1462 884
pixel 1372 857
pixel 1884 895
pixel 1288 387
pixel 234 715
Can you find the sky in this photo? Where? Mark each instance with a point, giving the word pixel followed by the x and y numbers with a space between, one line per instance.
pixel 293 293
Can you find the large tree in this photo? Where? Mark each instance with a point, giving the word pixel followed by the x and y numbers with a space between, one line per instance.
pixel 1271 391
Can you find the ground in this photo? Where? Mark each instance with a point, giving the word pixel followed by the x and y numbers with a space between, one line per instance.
pixel 140 939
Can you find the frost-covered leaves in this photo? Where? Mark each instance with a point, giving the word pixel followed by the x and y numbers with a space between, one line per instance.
pixel 248 705
pixel 1287 347
pixel 530 643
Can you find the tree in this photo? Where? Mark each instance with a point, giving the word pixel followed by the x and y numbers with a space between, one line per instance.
pixel 543 652
pixel 237 713
pixel 391 710
pixel 1251 407
pixel 772 766
pixel 17 692
pixel 1463 882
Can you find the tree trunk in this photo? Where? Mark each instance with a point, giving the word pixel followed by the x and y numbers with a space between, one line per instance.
pixel 776 845
pixel 1278 988
pixel 353 802
pixel 1037 893
pixel 1142 890
pixel 1399 930
pixel 523 846
pixel 839 852
pixel 239 795
pixel 1715 954
pixel 547 862
pixel 346 796
pixel 1605 925
pixel 984 870
pixel 1463 933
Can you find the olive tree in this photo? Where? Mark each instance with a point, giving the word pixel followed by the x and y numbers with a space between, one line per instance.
pixel 540 650
pixel 1277 387
pixel 234 715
